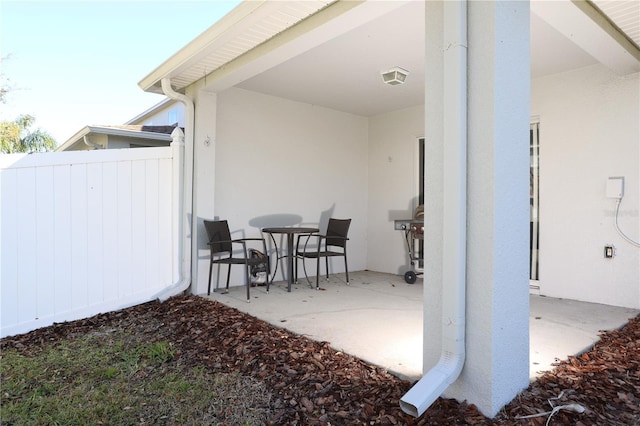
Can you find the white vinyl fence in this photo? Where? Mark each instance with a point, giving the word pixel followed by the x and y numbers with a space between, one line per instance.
pixel 83 232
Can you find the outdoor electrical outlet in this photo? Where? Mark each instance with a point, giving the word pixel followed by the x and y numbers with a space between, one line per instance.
pixel 608 252
pixel 615 187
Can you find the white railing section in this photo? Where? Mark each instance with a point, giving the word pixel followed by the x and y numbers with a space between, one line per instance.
pixel 83 232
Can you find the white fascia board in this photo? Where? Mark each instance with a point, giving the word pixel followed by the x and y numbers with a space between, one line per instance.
pixel 584 25
pixel 217 34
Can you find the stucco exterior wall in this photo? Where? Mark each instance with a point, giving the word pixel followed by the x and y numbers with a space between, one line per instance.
pixel 393 185
pixel 116 141
pixel 589 131
pixel 279 162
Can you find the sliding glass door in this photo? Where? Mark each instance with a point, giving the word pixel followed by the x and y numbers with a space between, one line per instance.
pixel 534 196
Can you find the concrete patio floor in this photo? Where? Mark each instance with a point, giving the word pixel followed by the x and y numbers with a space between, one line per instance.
pixel 378 318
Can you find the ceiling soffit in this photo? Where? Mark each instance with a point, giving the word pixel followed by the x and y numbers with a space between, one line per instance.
pixel 625 15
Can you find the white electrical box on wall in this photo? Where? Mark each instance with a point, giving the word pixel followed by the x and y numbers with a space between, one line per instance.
pixel 615 187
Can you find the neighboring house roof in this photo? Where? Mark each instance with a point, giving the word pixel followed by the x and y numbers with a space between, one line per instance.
pixel 143 135
pixel 142 128
pixel 316 52
pixel 143 116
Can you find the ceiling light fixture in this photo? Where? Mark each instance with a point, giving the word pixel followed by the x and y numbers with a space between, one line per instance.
pixel 394 76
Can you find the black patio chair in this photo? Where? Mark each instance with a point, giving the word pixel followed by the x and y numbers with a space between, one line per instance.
pixel 331 244
pixel 221 246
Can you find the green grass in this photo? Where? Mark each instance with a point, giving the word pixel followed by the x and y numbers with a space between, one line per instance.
pixel 118 379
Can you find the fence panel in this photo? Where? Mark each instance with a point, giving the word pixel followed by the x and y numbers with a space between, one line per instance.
pixel 83 233
pixel 9 248
pixel 45 249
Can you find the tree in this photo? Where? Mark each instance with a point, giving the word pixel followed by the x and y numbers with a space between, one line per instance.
pixel 5 87
pixel 17 136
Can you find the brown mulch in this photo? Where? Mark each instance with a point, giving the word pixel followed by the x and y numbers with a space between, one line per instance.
pixel 312 383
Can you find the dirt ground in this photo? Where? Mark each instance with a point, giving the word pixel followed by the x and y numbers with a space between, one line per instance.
pixel 312 384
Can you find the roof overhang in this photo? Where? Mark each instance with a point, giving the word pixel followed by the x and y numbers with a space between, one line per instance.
pixel 256 36
pixel 296 49
pixel 248 25
pixel 112 131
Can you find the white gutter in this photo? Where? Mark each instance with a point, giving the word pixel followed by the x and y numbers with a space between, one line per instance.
pixel 185 197
pixel 424 393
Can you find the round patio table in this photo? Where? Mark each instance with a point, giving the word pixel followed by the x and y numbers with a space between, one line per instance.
pixel 289 231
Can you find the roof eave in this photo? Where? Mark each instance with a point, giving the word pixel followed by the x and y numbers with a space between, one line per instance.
pixel 105 130
pixel 193 50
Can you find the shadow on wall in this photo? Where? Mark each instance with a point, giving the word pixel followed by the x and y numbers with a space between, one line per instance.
pixel 289 219
pixel 324 218
pixel 276 220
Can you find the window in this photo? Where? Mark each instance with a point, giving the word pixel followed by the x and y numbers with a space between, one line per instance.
pixel 420 243
pixel 172 116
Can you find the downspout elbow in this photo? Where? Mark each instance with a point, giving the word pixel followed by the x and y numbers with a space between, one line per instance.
pixel 187 101
pixel 91 144
pixel 433 384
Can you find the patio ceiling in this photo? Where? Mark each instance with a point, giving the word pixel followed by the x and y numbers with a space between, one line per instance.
pixel 334 58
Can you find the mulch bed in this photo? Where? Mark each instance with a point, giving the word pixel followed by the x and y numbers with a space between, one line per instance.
pixel 313 384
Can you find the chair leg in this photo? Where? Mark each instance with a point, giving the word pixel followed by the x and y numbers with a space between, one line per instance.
pixel 228 277
pixel 318 273
pixel 248 281
pixel 346 268
pixel 326 265
pixel 210 270
pixel 268 273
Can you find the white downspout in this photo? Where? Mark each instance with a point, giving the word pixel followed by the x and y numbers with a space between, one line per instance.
pixel 420 397
pixel 185 196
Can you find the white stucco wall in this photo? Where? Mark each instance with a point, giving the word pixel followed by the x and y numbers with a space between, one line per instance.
pixel 279 162
pixel 589 130
pixel 393 185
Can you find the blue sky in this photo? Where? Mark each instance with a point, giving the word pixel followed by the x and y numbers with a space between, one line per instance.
pixel 78 63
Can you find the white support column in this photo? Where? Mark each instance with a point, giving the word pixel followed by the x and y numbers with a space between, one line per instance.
pixel 497 285
pixel 204 184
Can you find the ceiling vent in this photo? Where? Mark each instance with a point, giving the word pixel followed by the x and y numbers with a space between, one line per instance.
pixel 394 76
